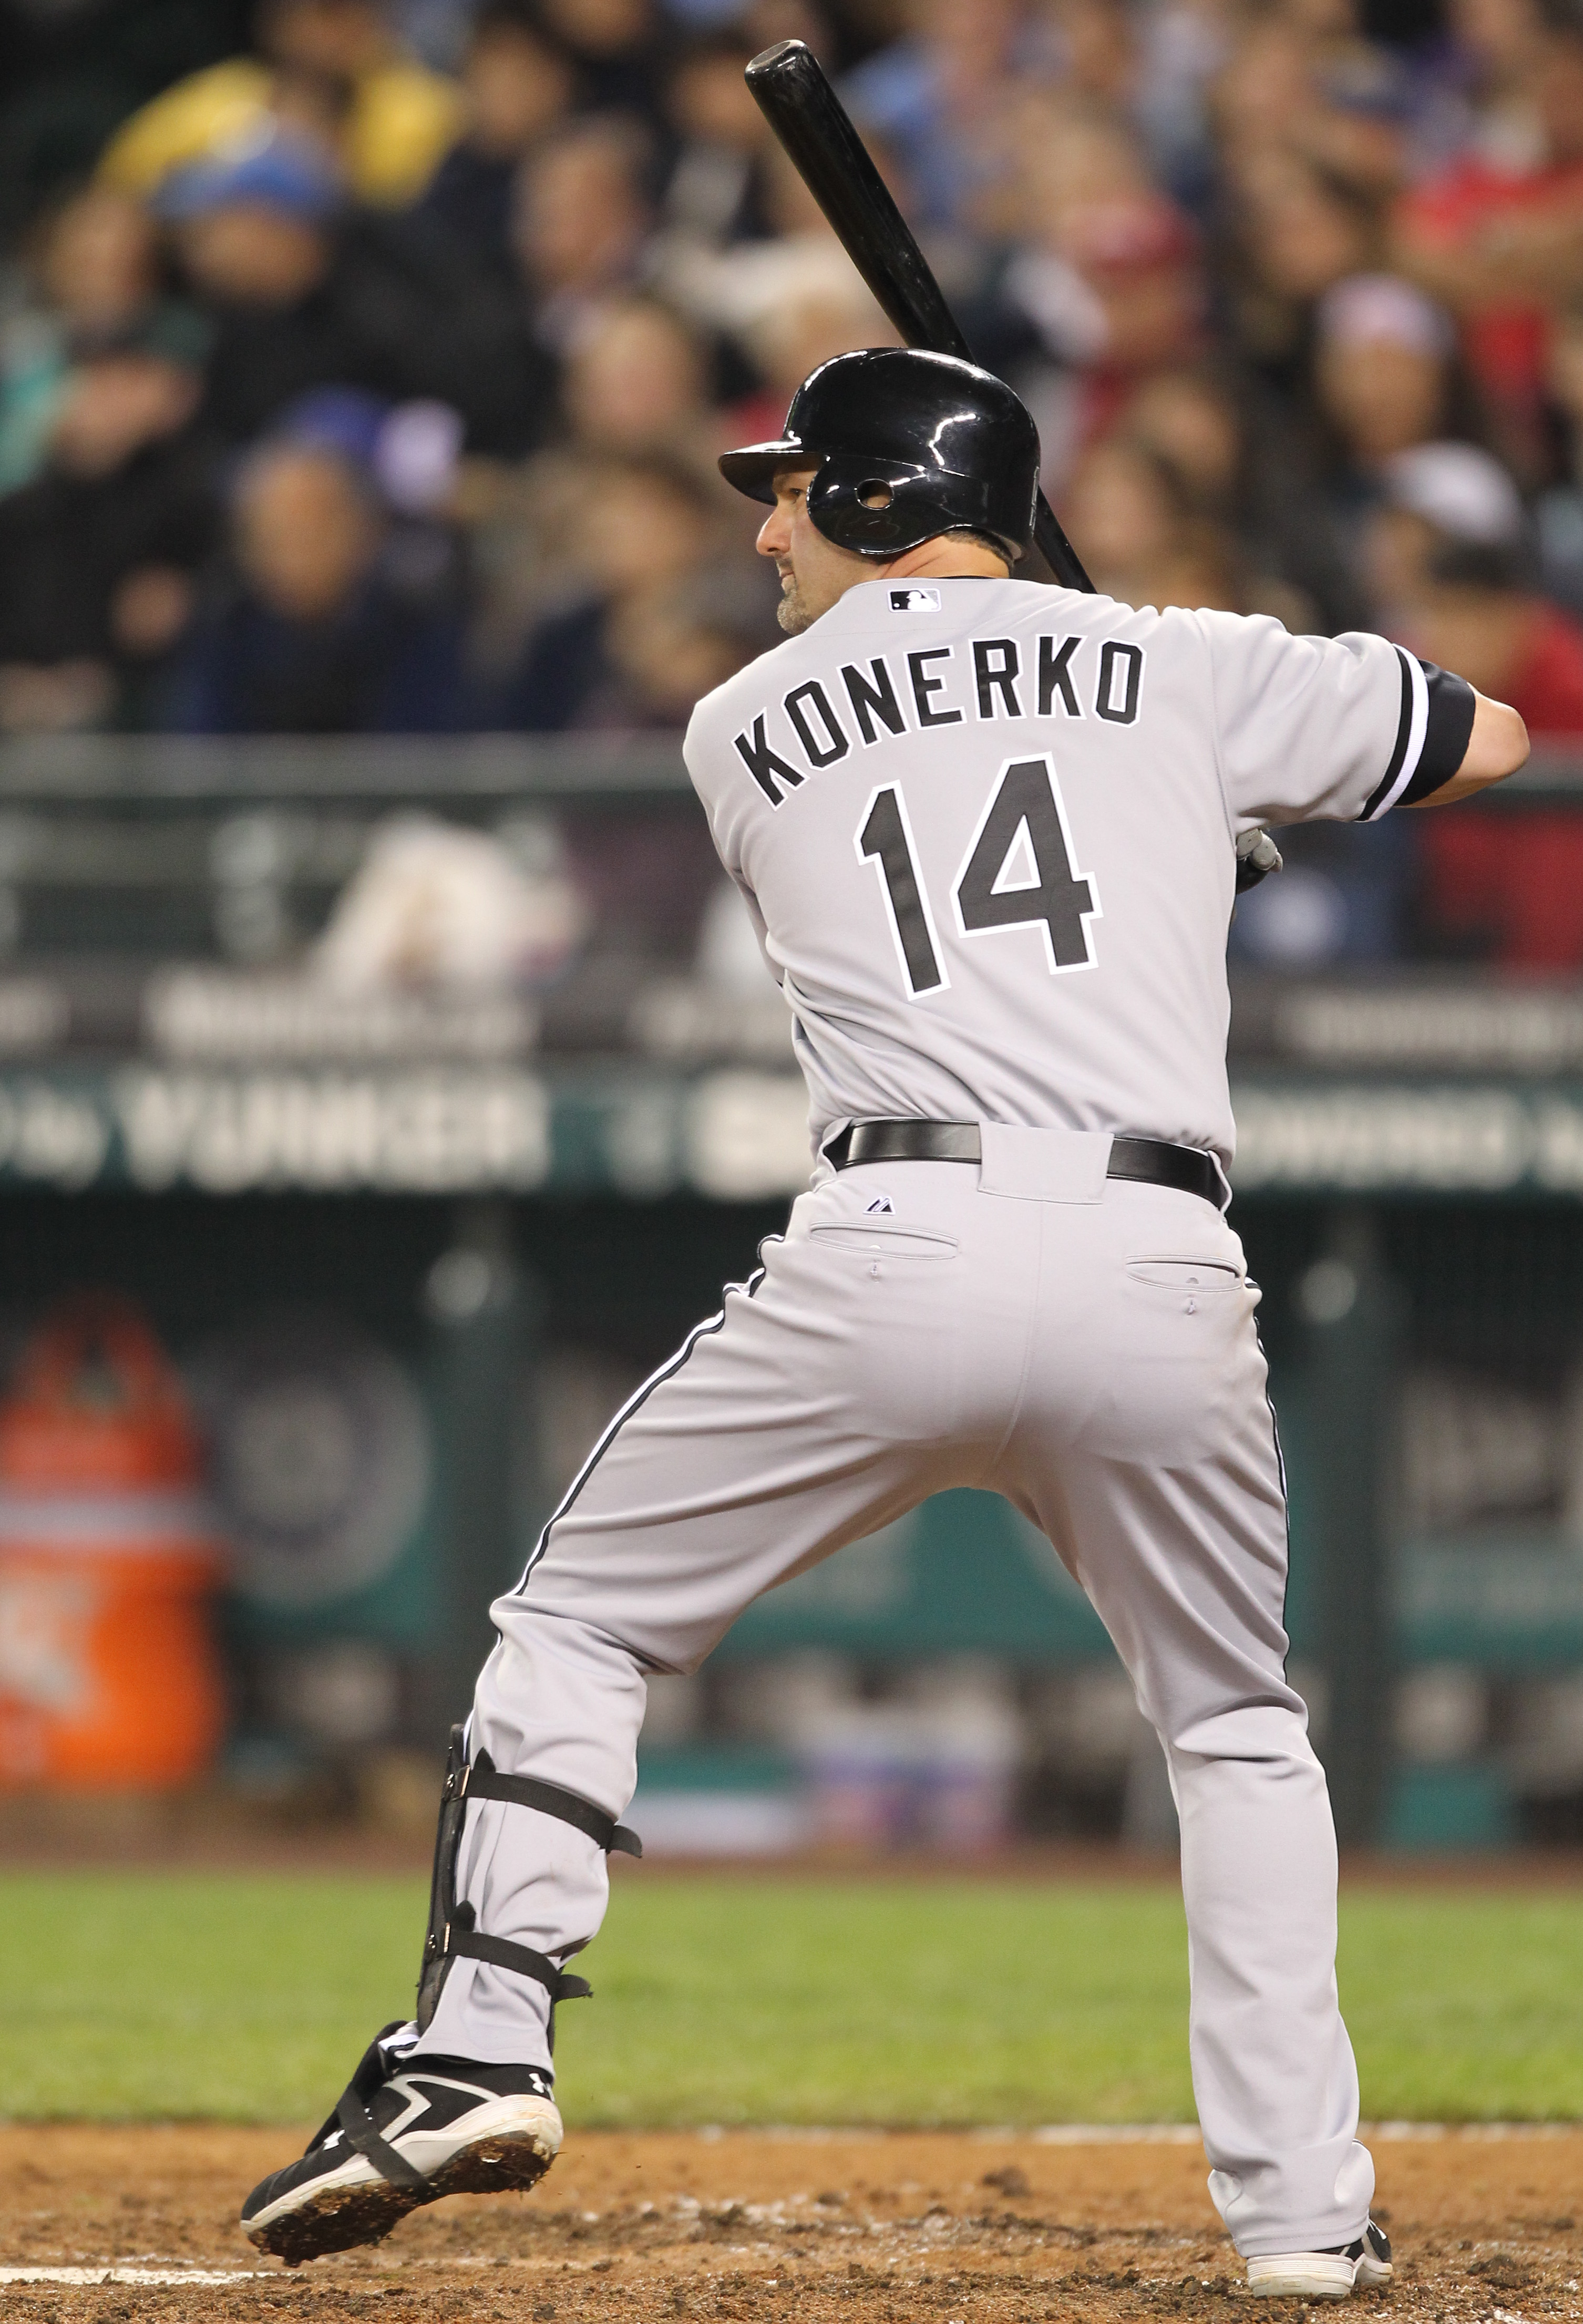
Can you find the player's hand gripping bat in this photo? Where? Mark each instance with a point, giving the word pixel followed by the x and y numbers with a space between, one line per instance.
pixel 816 131
pixel 814 127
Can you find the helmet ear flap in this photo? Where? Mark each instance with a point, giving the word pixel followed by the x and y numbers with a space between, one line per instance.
pixel 874 508
pixel 882 508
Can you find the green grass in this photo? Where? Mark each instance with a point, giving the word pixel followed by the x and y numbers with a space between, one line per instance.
pixel 135 1997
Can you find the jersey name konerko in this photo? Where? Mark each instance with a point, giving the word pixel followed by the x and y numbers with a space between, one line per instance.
pixel 987 830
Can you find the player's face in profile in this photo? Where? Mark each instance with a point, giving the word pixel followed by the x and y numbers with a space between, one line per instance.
pixel 814 573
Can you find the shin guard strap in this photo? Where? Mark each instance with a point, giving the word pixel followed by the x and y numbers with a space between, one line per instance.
pixel 357 2124
pixel 465 1942
pixel 353 2120
pixel 482 1780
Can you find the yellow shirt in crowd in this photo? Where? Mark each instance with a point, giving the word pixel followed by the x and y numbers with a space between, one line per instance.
pixel 402 122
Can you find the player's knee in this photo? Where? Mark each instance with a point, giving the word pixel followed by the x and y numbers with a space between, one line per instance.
pixel 1271 1736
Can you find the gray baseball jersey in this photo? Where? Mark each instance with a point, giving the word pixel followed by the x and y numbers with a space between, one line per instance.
pixel 987 828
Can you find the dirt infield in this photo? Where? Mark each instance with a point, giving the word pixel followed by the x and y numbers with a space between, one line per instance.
pixel 984 2228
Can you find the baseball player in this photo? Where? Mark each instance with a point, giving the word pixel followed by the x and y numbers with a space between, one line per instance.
pixel 986 830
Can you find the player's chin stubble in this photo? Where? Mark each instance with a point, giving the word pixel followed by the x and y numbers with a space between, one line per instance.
pixel 793 612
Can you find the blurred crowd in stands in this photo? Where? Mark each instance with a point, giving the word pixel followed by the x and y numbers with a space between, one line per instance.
pixel 362 366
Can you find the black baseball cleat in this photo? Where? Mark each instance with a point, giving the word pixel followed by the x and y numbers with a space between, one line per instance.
pixel 1331 2274
pixel 403 2134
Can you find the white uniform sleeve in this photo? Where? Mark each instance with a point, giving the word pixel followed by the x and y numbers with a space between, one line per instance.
pixel 1343 729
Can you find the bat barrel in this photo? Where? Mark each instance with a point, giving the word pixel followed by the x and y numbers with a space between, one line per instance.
pixel 790 90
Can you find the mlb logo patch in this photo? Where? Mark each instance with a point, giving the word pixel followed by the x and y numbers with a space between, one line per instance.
pixel 914 601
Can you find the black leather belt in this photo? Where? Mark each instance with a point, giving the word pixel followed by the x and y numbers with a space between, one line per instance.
pixel 1151 1159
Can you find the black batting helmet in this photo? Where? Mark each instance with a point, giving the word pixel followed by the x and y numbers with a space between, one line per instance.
pixel 907 444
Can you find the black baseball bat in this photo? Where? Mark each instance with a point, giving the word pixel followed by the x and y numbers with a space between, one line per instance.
pixel 812 125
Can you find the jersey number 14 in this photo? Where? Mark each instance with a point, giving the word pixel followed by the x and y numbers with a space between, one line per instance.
pixel 1018 872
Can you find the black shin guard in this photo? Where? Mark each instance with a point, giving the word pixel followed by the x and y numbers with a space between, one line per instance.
pixel 453 1933
pixel 448 1840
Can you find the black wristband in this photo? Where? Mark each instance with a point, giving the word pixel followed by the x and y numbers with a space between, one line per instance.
pixel 1433 728
pixel 1451 706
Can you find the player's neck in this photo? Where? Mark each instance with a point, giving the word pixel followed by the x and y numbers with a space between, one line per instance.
pixel 949 557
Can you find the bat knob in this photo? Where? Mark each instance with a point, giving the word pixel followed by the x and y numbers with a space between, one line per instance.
pixel 776 58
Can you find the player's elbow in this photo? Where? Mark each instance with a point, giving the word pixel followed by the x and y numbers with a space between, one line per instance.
pixel 1496 747
pixel 1519 743
pixel 1498 744
pixel 1519 740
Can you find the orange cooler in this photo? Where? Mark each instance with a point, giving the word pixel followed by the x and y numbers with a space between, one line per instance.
pixel 108 1676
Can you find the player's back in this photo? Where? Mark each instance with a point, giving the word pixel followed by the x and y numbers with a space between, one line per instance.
pixel 989 830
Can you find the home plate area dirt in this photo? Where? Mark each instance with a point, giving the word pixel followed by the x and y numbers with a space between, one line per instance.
pixel 828 2228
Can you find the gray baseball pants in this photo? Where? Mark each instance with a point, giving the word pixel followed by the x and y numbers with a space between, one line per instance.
pixel 1086 1346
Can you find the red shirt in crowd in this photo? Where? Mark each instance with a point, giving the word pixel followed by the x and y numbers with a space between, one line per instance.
pixel 1517 879
pixel 1507 341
